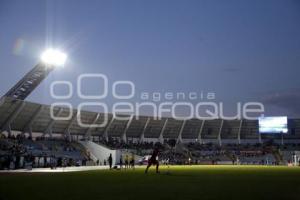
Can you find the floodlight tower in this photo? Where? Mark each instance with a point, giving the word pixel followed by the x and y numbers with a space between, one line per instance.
pixel 50 60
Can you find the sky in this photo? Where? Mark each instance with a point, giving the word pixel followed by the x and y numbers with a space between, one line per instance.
pixel 240 50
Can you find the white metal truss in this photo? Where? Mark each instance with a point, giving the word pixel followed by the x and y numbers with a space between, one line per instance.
pixel 88 130
pixel 200 132
pixel 142 137
pixel 48 129
pixel 161 135
pixel 179 139
pixel 124 135
pixel 220 133
pixel 6 126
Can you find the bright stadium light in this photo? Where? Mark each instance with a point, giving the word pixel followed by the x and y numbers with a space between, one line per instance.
pixel 54 57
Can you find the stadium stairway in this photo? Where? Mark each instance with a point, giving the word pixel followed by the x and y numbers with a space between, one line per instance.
pixel 100 153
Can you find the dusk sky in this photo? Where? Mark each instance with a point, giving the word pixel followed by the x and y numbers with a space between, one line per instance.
pixel 240 50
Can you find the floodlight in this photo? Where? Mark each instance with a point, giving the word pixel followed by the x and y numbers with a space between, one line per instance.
pixel 54 57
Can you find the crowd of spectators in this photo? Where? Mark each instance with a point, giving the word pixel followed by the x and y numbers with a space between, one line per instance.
pixel 196 153
pixel 17 152
pixel 115 143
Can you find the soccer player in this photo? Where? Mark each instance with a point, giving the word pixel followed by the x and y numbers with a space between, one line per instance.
pixel 110 159
pixel 153 160
pixel 121 162
pixel 126 161
pixel 132 161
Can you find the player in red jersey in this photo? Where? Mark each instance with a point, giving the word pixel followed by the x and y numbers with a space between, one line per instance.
pixel 153 160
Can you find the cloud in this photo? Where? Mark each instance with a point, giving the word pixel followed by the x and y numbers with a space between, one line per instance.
pixel 288 100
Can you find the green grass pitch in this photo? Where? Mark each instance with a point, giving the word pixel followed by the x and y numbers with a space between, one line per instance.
pixel 183 183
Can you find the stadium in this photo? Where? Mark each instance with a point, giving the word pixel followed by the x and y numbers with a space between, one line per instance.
pixel 128 146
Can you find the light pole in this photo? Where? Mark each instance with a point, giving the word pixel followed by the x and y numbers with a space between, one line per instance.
pixel 49 60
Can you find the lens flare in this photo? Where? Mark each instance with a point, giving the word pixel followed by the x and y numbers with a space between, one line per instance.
pixel 54 57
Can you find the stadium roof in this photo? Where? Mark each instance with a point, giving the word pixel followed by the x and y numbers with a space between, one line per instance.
pixel 28 117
